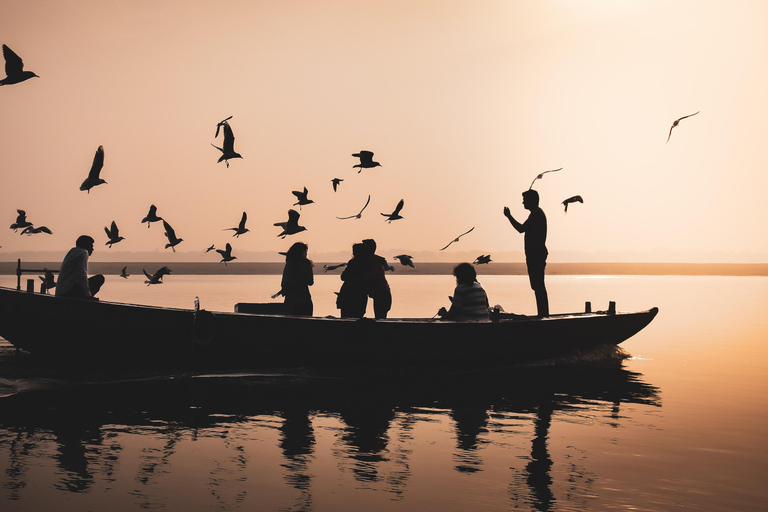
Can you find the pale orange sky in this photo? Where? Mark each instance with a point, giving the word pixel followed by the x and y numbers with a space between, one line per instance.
pixel 463 103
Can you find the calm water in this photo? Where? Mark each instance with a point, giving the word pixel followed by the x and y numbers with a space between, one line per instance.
pixel 680 425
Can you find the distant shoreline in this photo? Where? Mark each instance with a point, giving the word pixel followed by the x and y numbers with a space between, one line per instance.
pixel 434 268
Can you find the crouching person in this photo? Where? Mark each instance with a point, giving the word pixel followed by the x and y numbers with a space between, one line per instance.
pixel 73 278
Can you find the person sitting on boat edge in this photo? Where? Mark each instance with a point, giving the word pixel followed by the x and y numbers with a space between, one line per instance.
pixel 297 278
pixel 469 301
pixel 73 278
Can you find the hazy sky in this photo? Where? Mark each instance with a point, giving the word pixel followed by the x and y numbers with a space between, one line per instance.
pixel 463 103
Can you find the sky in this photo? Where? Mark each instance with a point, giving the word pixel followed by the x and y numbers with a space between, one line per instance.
pixel 463 103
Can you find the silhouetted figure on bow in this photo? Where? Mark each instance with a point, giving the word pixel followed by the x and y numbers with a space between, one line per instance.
pixel 535 229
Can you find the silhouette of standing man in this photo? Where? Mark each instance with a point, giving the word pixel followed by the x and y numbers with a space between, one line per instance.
pixel 535 229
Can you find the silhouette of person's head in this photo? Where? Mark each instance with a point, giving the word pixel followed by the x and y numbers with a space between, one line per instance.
pixel 360 251
pixel 371 244
pixel 298 251
pixel 530 199
pixel 465 273
pixel 85 242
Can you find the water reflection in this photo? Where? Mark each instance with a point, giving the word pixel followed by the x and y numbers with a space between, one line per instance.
pixel 375 423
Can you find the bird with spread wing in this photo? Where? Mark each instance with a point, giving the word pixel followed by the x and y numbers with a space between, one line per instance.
pixel 457 239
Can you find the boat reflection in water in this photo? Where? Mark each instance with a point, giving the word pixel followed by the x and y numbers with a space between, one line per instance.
pixel 328 438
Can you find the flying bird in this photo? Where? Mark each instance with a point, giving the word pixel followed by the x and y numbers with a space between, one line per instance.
pixel 14 68
pixel 457 239
pixel 677 121
pixel 539 176
pixel 360 213
pixel 291 226
pixel 228 147
pixel 239 230
pixel 157 277
pixel 574 199
pixel 302 197
pixel 48 280
pixel 21 221
pixel 405 260
pixel 326 268
pixel 151 216
pixel 124 273
pixel 219 125
pixel 173 241
pixel 93 178
pixel 482 259
pixel 226 254
pixel 395 215
pixel 336 182
pixel 210 248
pixel 366 160
pixel 31 230
pixel 113 234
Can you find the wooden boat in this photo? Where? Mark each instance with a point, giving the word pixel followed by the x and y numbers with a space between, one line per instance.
pixel 103 333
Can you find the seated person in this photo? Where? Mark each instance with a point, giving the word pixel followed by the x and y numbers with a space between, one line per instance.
pixel 73 275
pixel 469 301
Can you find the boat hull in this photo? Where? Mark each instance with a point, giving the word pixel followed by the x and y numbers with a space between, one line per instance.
pixel 99 332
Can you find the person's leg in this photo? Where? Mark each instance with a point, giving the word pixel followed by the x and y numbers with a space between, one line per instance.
pixel 536 277
pixel 95 283
pixel 382 304
pixel 304 308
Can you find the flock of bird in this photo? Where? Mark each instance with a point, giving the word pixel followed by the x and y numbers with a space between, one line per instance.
pixel 15 73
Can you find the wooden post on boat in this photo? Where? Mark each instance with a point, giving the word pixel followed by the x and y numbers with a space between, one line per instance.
pixel 587 307
pixel 30 282
pixel 611 308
